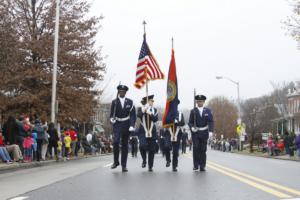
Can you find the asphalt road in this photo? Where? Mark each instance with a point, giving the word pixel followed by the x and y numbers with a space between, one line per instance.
pixel 228 176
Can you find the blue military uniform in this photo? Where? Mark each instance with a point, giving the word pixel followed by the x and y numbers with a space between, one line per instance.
pixel 147 134
pixel 200 126
pixel 172 140
pixel 184 141
pixel 134 146
pixel 124 117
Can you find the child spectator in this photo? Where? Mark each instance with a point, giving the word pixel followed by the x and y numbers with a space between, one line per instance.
pixel 27 145
pixel 280 145
pixel 59 149
pixel 67 141
pixel 34 146
pixel 62 139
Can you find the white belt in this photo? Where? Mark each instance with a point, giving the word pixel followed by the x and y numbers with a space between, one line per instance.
pixel 122 119
pixel 202 128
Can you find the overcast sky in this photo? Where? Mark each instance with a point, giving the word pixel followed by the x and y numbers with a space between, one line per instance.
pixel 243 40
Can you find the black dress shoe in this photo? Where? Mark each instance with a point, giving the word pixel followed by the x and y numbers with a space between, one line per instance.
pixel 202 169
pixel 144 165
pixel 195 168
pixel 150 170
pixel 174 170
pixel 168 164
pixel 124 169
pixel 115 165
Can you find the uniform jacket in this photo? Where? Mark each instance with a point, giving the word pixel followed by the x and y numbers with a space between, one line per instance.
pixel 127 111
pixel 201 121
pixel 144 123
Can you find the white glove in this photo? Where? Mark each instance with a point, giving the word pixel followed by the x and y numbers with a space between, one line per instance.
pixel 131 129
pixel 144 109
pixel 176 121
pixel 112 120
pixel 211 134
pixel 194 129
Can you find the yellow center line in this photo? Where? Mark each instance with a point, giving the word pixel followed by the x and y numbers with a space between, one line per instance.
pixel 252 183
pixel 247 181
pixel 284 188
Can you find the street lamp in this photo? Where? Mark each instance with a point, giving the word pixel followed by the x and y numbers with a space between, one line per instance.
pixel 53 100
pixel 239 121
pixel 238 96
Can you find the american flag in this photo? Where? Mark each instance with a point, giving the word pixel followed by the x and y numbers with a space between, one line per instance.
pixel 147 67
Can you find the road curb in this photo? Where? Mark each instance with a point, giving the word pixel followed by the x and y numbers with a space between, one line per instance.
pixel 18 166
pixel 270 157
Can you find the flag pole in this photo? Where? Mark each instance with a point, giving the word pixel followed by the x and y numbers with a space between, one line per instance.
pixel 172 43
pixel 173 127
pixel 146 73
pixel 148 120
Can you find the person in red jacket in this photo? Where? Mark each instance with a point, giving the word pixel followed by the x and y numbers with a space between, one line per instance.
pixel 73 135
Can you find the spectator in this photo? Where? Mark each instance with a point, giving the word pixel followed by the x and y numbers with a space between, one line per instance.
pixel 63 145
pixel 53 139
pixel 276 148
pixel 88 149
pixel 89 137
pixel 280 145
pixel 287 143
pixel 34 146
pixel 12 148
pixel 10 131
pixel 27 145
pixel 270 144
pixel 297 143
pixel 96 142
pixel 78 142
pixel 73 135
pixel 227 145
pixel 59 149
pixel 68 141
pixel 22 125
pixel 39 129
pixel 4 155
pixel 45 142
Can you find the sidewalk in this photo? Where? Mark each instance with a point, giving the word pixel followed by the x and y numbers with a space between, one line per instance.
pixel 16 166
pixel 265 155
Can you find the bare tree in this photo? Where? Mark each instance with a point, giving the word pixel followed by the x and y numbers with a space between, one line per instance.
pixel 225 116
pixel 292 23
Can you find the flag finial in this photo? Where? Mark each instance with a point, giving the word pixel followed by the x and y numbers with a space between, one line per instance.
pixel 144 23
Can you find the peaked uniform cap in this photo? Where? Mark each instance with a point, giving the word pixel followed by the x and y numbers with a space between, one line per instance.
pixel 150 97
pixel 122 88
pixel 200 97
